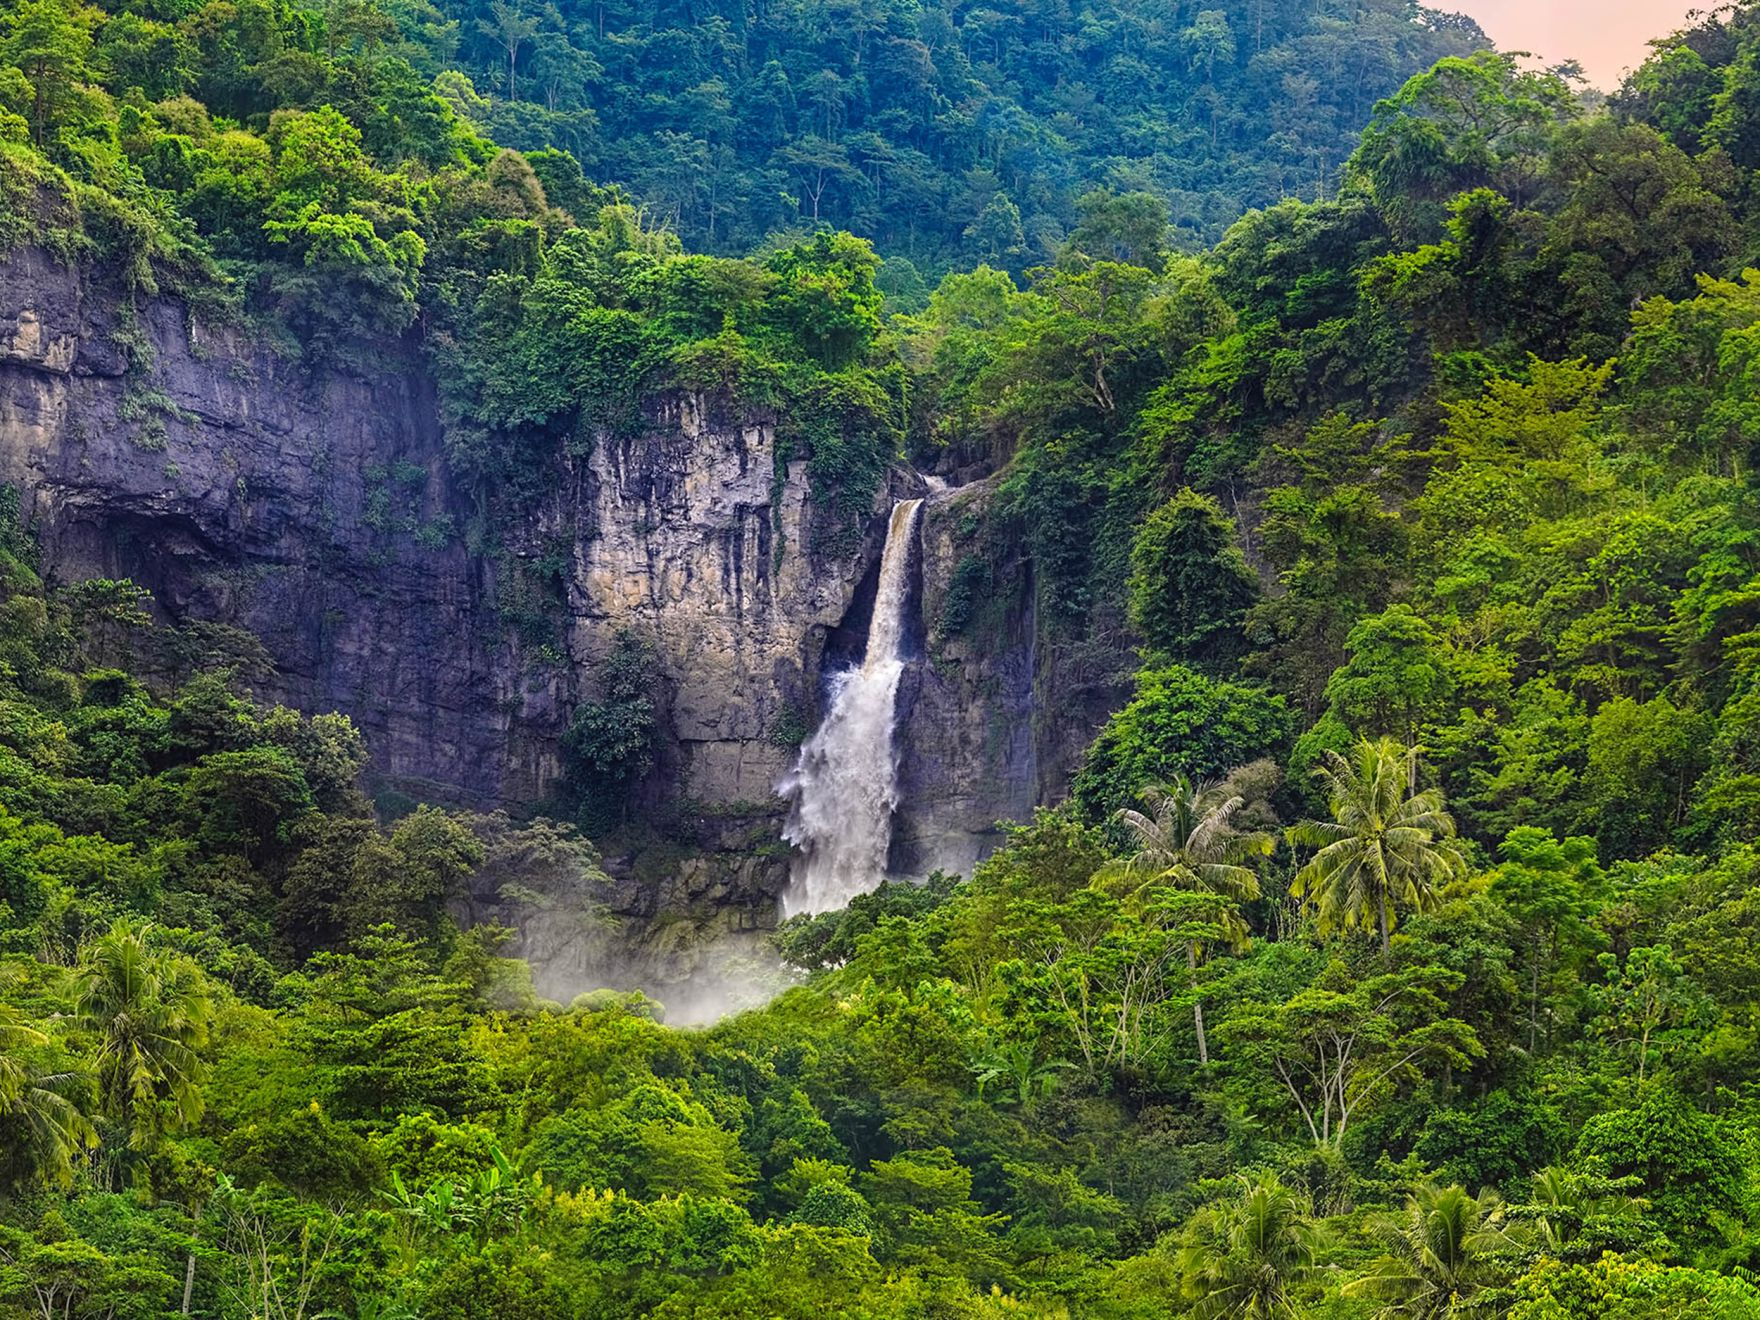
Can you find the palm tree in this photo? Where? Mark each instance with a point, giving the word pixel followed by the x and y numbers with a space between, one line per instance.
pixel 1240 1259
pixel 1186 841
pixel 40 1128
pixel 149 1014
pixel 1017 1066
pixel 1386 843
pixel 1579 1213
pixel 1441 1252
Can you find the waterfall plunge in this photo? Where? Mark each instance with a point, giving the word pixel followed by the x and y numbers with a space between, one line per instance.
pixel 845 784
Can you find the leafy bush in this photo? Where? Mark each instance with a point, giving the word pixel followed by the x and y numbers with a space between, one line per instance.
pixel 1178 723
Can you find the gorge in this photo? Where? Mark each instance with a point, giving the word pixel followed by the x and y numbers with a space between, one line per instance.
pixel 313 507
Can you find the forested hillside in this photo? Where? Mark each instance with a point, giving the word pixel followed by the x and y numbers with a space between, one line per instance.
pixel 948 134
pixel 1395 953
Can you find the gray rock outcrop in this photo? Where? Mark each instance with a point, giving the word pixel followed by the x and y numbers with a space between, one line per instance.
pixel 312 505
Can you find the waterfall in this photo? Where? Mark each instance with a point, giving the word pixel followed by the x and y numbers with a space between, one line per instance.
pixel 845 784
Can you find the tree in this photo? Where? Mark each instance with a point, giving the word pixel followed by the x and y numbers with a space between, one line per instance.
pixel 381 274
pixel 329 749
pixel 1089 344
pixel 1336 545
pixel 147 1012
pixel 155 57
pixel 819 164
pixel 510 30
pixel 407 879
pixel 1442 1252
pixel 1637 999
pixel 610 742
pixel 1549 886
pixel 1190 586
pixel 826 297
pixel 995 236
pixel 1644 761
pixel 923 1207
pixel 1342 1045
pixel 1478 121
pixel 41 1128
pixel 1495 1142
pixel 1243 1257
pixel 58 1275
pixel 319 159
pixel 51 41
pixel 388 1030
pixel 1580 1215
pixel 1178 723
pixel 276 1250
pixel 1735 111
pixel 1186 842
pixel 1385 845
pixel 246 801
pixel 1128 227
pixel 1091 971
pixel 1209 41
pixel 1686 1163
pixel 1022 1077
pixel 1621 1286
pixel 1394 676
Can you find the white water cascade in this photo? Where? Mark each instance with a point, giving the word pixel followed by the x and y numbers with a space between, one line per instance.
pixel 845 784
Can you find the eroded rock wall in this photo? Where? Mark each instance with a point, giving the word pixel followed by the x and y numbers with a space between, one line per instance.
pixel 995 716
pixel 314 507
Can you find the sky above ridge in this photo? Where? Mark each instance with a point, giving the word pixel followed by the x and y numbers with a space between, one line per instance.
pixel 1608 36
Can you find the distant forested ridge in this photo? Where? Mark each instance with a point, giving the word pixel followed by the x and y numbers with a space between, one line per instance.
pixel 947 132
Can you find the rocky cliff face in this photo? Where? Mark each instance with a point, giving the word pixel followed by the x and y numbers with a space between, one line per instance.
pixel 243 489
pixel 995 717
pixel 313 507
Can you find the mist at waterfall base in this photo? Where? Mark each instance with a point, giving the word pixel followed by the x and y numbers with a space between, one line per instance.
pixel 844 787
pixel 572 957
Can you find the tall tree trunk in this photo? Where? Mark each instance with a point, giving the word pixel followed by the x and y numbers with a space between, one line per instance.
pixel 1386 941
pixel 1198 1006
pixel 1534 1004
pixel 189 1264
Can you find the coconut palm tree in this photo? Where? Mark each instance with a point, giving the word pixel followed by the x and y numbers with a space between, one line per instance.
pixel 1186 841
pixel 1386 844
pixel 1240 1259
pixel 148 1012
pixel 41 1129
pixel 1442 1251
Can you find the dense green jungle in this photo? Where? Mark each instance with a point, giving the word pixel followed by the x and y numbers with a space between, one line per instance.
pixel 1396 952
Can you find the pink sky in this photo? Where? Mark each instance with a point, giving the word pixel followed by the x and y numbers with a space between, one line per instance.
pixel 1608 36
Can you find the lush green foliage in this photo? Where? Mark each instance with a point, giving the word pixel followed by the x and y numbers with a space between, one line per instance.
pixel 1464 1023
pixel 1190 586
pixel 948 133
pixel 610 742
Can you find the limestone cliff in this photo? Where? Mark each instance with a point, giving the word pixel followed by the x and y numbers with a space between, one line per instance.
pixel 313 506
